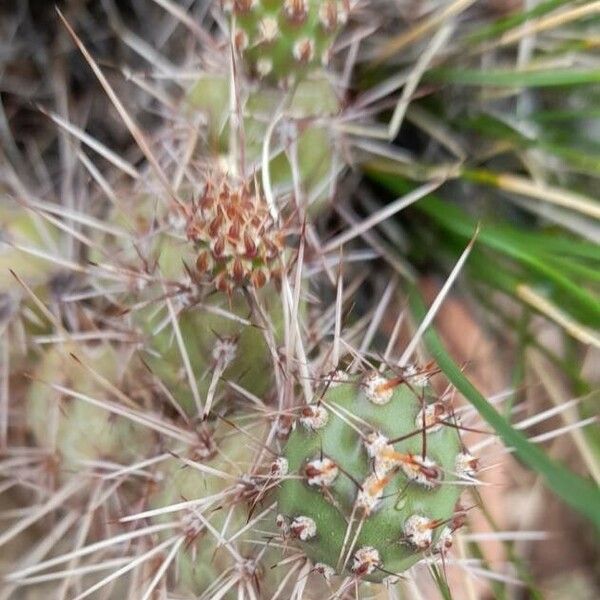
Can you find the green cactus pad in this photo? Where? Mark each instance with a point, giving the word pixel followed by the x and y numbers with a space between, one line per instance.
pixel 281 40
pixel 77 429
pixel 201 332
pixel 404 501
pixel 201 560
pixel 207 319
pixel 23 232
pixel 308 110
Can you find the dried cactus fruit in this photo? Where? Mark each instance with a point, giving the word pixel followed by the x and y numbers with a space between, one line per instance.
pixel 281 40
pixel 378 485
pixel 237 240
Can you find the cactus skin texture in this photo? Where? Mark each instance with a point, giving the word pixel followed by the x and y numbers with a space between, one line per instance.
pixel 76 430
pixel 201 562
pixel 21 227
pixel 309 109
pixel 282 40
pixel 197 251
pixel 405 504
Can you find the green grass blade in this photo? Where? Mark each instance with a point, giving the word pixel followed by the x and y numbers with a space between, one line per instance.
pixel 574 490
pixel 511 78
pixel 514 20
pixel 561 115
pixel 439 579
pixel 579 302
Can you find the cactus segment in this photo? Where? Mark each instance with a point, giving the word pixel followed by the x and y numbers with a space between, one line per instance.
pixel 281 40
pixel 378 488
pixel 203 333
pixel 186 307
pixel 224 502
pixel 21 230
pixel 78 429
pixel 307 112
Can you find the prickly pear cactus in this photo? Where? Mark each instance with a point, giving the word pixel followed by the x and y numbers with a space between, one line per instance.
pixel 175 388
pixel 284 43
pixel 377 462
pixel 303 142
pixel 22 228
pixel 197 474
pixel 281 40
pixel 81 432
pixel 206 254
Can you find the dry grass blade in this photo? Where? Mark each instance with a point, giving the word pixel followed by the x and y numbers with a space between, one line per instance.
pixel 554 313
pixel 419 31
pixel 131 125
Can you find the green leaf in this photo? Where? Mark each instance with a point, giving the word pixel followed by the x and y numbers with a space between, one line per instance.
pixel 582 159
pixel 565 114
pixel 574 490
pixel 440 581
pixel 511 78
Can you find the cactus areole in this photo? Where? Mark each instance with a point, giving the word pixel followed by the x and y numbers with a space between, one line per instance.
pixel 373 477
pixel 282 40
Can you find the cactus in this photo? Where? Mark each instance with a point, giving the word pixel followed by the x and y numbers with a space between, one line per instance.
pixel 20 227
pixel 78 432
pixel 208 407
pixel 377 464
pixel 204 302
pixel 281 40
pixel 304 141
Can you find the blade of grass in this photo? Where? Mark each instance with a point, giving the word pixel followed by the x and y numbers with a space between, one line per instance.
pixel 585 160
pixel 542 192
pixel 440 581
pixel 554 313
pixel 560 115
pixel 512 78
pixel 422 28
pixel 574 490
pixel 504 322
pixel 580 303
pixel 514 20
pixel 551 22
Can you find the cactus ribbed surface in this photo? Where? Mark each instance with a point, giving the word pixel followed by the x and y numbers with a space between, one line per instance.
pixel 377 482
pixel 281 40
